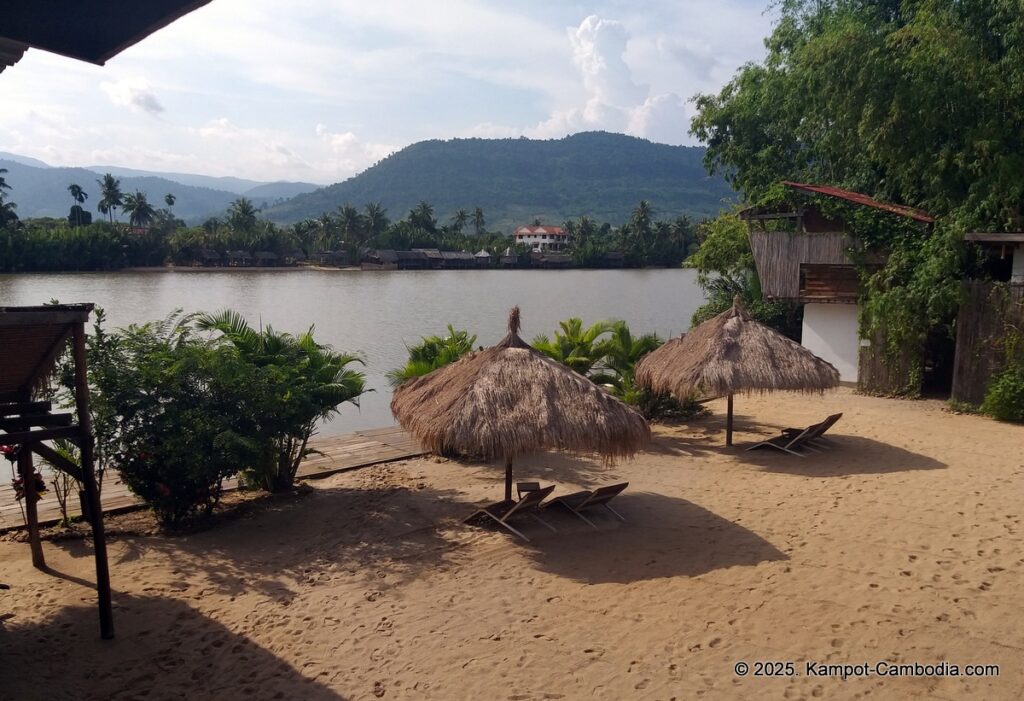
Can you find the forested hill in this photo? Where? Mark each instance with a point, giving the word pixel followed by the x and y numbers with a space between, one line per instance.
pixel 598 174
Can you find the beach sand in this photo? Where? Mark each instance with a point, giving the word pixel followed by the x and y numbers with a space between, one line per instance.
pixel 902 543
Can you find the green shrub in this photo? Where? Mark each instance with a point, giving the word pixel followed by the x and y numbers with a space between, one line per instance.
pixel 1004 399
pixel 431 353
pixel 294 383
pixel 184 420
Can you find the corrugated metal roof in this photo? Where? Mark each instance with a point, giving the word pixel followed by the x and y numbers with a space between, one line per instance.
pixel 861 199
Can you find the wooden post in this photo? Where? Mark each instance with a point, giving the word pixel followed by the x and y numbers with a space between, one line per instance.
pixel 85 446
pixel 508 479
pixel 28 481
pixel 728 423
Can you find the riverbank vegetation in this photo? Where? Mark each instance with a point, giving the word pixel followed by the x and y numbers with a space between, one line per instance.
pixel 182 404
pixel 605 352
pixel 153 236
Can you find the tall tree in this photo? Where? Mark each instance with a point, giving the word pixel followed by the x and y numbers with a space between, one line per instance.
pixel 80 196
pixel 351 224
pixel 169 200
pixel 242 215
pixel 376 219
pixel 110 195
pixel 478 221
pixel 7 214
pixel 422 217
pixel 459 220
pixel 140 212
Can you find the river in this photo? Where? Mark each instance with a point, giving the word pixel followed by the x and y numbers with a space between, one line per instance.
pixel 377 313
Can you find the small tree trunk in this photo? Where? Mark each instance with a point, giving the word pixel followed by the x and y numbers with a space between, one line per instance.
pixel 28 480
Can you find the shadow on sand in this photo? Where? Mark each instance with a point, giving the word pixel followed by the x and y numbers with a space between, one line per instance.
pixel 663 537
pixel 844 455
pixel 164 649
pixel 376 533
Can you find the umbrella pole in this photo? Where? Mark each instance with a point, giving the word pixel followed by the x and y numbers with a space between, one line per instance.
pixel 508 479
pixel 728 423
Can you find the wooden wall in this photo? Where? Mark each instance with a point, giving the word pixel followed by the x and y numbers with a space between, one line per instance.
pixel 988 311
pixel 778 255
pixel 884 374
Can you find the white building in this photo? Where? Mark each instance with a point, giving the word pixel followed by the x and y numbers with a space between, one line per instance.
pixel 542 238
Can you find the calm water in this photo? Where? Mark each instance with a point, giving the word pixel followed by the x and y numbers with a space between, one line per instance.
pixel 377 313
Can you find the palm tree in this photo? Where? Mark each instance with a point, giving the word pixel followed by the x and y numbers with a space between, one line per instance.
pixel 431 353
pixel 375 217
pixel 312 382
pixel 574 346
pixel 140 212
pixel 351 225
pixel 459 220
pixel 326 226
pixel 170 199
pixel 422 217
pixel 110 195
pixel 3 182
pixel 80 196
pixel 242 215
pixel 478 221
pixel 621 352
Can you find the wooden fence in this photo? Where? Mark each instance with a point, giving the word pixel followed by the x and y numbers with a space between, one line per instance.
pixel 989 313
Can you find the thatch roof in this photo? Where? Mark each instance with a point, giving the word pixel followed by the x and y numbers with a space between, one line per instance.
pixel 730 354
pixel 511 400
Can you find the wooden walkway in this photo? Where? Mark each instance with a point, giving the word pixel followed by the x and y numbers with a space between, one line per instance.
pixel 338 454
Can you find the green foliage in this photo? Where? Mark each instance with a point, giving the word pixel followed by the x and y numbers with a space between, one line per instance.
pixel 912 102
pixel 606 353
pixel 183 420
pixel 516 180
pixel 725 268
pixel 1004 398
pixel 574 345
pixel 295 383
pixel 431 353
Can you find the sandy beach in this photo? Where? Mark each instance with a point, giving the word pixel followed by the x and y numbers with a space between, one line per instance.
pixel 900 544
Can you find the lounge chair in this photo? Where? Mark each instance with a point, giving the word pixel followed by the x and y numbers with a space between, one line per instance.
pixel 818 434
pixel 789 443
pixel 503 511
pixel 578 501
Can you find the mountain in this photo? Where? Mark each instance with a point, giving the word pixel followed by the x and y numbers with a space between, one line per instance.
pixel 41 190
pixel 514 181
pixel 253 189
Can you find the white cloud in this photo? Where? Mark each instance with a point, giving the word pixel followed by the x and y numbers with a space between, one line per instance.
pixel 239 87
pixel 133 93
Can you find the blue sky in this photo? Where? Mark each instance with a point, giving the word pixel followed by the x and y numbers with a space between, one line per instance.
pixel 318 90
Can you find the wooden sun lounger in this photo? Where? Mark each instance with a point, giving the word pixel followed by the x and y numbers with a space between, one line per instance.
pixel 578 501
pixel 818 434
pixel 789 443
pixel 503 511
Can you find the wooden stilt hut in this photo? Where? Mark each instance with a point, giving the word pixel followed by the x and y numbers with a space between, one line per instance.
pixel 511 400
pixel 31 341
pixel 729 354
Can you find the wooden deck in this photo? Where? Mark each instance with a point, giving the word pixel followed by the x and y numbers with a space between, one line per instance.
pixel 338 454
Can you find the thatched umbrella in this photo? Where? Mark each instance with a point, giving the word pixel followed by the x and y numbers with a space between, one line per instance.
pixel 510 400
pixel 732 353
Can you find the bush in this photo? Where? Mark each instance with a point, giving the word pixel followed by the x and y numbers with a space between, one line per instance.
pixel 184 424
pixel 295 382
pixel 431 353
pixel 1004 399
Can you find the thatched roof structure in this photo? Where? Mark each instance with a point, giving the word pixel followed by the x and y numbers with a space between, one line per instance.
pixel 510 400
pixel 732 354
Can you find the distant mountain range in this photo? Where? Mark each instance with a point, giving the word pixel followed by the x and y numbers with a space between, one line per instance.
pixel 514 181
pixel 41 190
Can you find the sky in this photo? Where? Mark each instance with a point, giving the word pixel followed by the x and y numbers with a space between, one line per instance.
pixel 318 90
